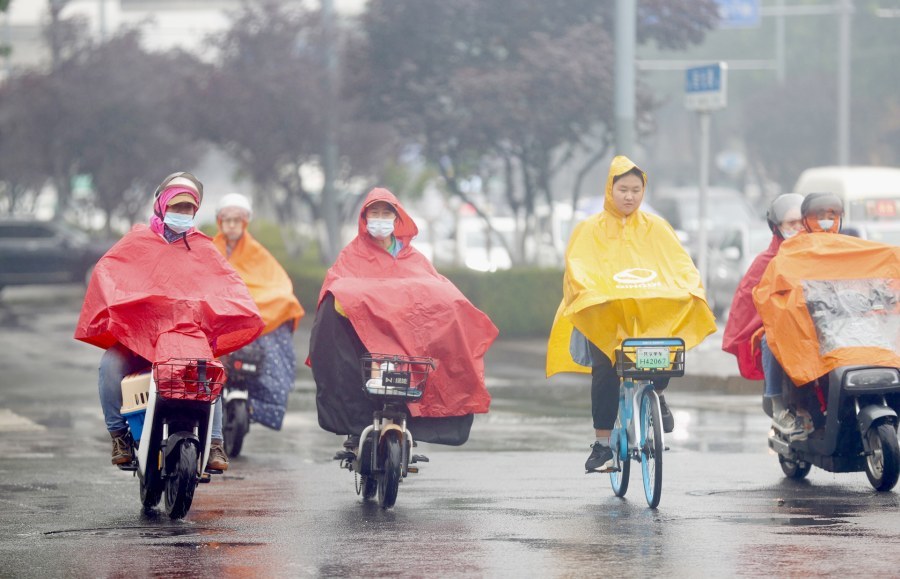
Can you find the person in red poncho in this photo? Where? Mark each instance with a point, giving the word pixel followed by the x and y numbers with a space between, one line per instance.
pixel 164 292
pixel 273 292
pixel 743 332
pixel 382 295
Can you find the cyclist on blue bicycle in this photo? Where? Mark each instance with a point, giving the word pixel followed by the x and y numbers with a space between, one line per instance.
pixel 626 275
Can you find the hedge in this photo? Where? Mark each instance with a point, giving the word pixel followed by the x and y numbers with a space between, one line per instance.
pixel 521 302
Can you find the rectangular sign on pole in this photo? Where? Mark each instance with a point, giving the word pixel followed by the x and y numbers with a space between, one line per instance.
pixel 705 87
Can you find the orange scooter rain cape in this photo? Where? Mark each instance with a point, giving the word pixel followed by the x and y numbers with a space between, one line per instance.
pixel 626 277
pixel 269 284
pixel 403 305
pixel 829 300
pixel 162 300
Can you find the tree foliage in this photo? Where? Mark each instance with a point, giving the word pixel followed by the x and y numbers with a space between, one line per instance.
pixel 265 100
pixel 527 87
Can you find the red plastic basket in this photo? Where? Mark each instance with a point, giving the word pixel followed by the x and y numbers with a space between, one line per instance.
pixel 189 379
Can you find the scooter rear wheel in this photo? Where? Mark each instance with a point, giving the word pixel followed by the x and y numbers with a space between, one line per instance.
pixel 794 469
pixel 151 483
pixel 236 424
pixel 883 463
pixel 369 486
pixel 181 481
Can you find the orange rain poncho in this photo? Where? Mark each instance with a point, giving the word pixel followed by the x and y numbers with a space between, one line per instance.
pixel 269 284
pixel 829 300
pixel 626 277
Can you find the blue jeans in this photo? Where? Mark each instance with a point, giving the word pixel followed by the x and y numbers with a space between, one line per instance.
pixel 118 362
pixel 774 373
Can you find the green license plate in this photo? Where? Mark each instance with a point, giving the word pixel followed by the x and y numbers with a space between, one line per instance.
pixel 652 358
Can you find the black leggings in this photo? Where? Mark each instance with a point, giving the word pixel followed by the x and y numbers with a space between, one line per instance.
pixel 605 390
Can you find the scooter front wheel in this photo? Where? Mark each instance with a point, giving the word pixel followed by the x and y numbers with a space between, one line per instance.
pixel 883 462
pixel 389 479
pixel 651 447
pixel 182 480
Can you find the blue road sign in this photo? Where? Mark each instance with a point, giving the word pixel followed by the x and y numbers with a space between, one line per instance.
pixel 705 87
pixel 738 13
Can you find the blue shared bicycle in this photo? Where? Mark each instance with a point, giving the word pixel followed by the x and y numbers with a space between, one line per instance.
pixel 638 432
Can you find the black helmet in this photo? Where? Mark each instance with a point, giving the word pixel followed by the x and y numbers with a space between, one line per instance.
pixel 816 205
pixel 779 209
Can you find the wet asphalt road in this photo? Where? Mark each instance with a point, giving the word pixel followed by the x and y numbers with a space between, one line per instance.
pixel 514 501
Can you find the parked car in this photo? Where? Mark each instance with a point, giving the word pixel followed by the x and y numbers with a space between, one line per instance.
pixel 45 252
pixel 730 260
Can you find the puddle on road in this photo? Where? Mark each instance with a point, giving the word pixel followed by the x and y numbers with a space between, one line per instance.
pixel 134 532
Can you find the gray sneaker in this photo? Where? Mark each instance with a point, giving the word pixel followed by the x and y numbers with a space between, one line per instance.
pixel 601 459
pixel 793 426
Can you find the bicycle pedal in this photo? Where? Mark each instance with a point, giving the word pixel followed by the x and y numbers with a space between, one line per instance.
pixel 206 478
pixel 213 471
pixel 418 458
pixel 412 469
pixel 344 455
pixel 129 466
pixel 665 448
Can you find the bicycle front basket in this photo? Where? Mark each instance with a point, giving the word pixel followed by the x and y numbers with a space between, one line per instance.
pixel 647 358
pixel 394 375
pixel 189 379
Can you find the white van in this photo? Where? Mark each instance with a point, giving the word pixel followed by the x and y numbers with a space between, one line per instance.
pixel 869 193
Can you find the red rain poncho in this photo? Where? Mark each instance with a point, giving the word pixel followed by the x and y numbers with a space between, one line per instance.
pixel 829 300
pixel 743 319
pixel 402 305
pixel 162 300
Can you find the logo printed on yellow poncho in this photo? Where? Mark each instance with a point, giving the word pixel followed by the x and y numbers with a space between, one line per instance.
pixel 636 277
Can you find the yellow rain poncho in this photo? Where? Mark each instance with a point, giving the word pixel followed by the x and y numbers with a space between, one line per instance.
pixel 626 276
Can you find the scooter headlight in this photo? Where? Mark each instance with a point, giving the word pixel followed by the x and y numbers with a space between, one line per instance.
pixel 872 379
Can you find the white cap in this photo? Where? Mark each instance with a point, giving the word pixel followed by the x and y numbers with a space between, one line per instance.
pixel 235 200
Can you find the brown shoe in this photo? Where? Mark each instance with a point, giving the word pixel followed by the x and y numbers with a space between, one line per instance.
pixel 122 445
pixel 218 460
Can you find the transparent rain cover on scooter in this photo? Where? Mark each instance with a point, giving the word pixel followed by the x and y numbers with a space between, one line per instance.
pixel 855 313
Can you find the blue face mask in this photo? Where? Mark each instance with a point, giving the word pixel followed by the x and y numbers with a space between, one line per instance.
pixel 179 222
pixel 380 228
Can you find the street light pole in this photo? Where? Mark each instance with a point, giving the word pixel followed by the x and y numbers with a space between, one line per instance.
pixel 626 34
pixel 843 128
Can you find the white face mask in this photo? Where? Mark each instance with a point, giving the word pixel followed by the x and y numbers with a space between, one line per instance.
pixel 788 233
pixel 826 224
pixel 380 228
pixel 179 222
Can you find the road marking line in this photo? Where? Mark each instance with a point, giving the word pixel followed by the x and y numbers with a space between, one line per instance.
pixel 12 422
